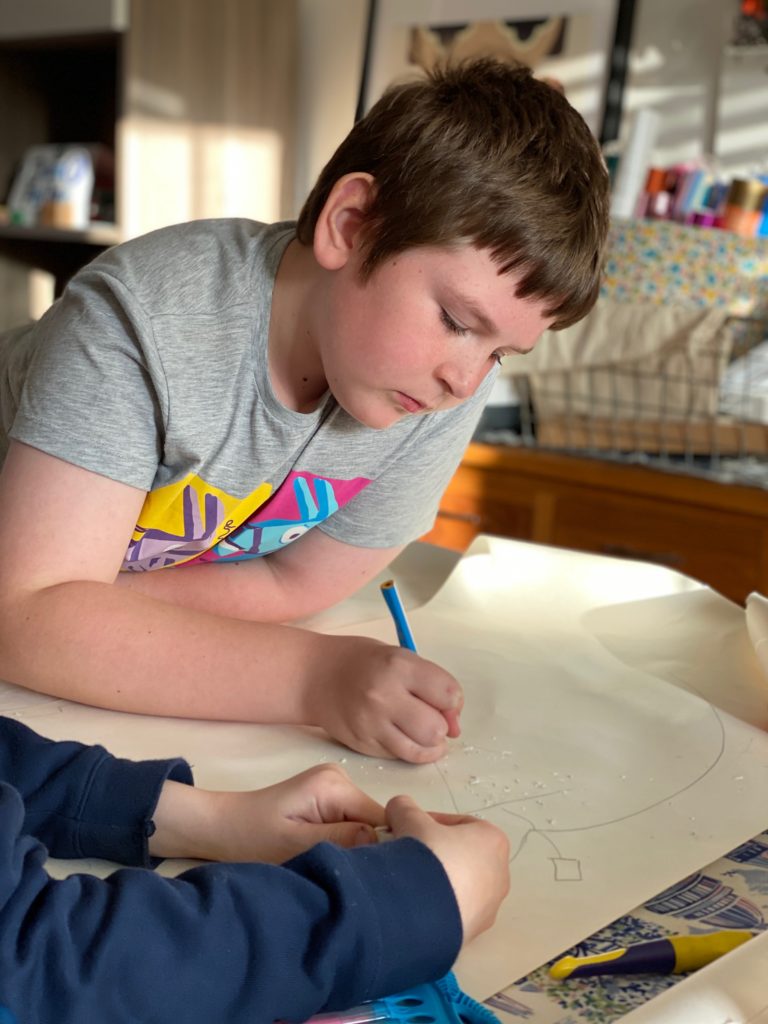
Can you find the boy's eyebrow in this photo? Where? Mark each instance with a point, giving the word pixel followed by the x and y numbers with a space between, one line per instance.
pixel 472 307
pixel 485 322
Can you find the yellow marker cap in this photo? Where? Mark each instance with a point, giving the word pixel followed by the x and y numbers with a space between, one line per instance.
pixel 568 964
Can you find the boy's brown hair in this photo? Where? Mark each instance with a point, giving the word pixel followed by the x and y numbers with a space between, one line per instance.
pixel 482 152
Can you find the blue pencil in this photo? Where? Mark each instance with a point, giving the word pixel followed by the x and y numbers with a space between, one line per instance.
pixel 395 605
pixel 405 639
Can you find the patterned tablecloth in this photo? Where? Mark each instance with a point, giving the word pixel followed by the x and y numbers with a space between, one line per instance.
pixel 731 893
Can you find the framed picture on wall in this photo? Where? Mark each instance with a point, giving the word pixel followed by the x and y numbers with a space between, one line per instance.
pixel 568 42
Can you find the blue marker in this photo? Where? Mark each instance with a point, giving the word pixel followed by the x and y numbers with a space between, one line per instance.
pixel 395 605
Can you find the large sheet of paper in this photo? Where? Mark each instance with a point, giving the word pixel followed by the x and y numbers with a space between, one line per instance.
pixel 613 727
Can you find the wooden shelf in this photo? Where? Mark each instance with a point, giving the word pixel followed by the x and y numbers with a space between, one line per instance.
pixel 58 251
pixel 758 50
pixel 179 91
pixel 97 234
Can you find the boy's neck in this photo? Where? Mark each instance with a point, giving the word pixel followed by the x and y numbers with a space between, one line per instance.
pixel 295 367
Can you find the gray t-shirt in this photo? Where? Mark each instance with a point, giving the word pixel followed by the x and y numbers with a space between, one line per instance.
pixel 152 370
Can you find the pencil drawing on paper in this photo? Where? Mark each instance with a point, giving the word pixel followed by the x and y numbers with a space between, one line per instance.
pixel 603 758
pixel 550 810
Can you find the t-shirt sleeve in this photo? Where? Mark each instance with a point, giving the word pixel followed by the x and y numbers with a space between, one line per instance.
pixel 402 502
pixel 94 393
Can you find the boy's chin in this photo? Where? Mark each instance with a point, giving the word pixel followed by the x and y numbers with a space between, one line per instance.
pixel 374 415
pixel 380 422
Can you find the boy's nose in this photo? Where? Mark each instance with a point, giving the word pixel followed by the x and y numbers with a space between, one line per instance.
pixel 461 380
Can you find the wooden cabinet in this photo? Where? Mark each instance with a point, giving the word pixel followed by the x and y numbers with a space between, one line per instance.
pixel 714 532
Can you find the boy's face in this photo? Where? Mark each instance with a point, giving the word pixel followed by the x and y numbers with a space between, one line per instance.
pixel 422 333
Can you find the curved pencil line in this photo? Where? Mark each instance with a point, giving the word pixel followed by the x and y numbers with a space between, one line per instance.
pixel 524 839
pixel 611 821
pixel 664 799
pixel 447 786
pixel 532 831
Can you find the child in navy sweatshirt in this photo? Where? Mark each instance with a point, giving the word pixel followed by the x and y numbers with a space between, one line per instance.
pixel 340 922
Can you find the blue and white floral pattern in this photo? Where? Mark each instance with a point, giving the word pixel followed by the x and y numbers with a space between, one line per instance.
pixel 731 893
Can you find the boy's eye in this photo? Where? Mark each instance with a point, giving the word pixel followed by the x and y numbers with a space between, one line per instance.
pixel 450 324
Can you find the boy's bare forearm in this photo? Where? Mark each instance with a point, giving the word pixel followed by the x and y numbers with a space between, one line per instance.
pixel 244 590
pixel 308 576
pixel 107 646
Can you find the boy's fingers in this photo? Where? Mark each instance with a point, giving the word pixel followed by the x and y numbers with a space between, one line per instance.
pixel 452 718
pixel 345 833
pixel 404 814
pixel 393 743
pixel 448 700
pixel 351 806
pixel 402 745
pixel 444 818
pixel 422 724
pixel 443 696
pixel 337 799
pixel 403 809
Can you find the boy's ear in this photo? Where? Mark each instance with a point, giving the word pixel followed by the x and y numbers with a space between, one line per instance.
pixel 341 218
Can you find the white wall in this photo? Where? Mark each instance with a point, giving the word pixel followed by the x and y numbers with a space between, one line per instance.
pixel 741 141
pixel 708 100
pixel 331 45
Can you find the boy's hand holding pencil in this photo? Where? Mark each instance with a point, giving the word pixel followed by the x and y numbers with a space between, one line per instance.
pixel 391 595
pixel 383 700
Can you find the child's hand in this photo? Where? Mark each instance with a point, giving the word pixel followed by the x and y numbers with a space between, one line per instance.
pixel 272 824
pixel 474 853
pixel 383 700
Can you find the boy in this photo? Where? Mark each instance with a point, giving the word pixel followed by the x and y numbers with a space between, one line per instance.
pixel 211 392
pixel 232 942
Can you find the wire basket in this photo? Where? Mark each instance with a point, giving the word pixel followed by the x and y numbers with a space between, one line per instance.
pixel 670 369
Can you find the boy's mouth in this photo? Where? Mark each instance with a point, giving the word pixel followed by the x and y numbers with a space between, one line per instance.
pixel 409 403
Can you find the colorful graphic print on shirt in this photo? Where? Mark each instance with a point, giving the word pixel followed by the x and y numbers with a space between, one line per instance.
pixel 193 521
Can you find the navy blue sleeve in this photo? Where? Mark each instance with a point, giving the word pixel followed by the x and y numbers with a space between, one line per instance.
pixel 80 801
pixel 242 943
pixel 245 943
